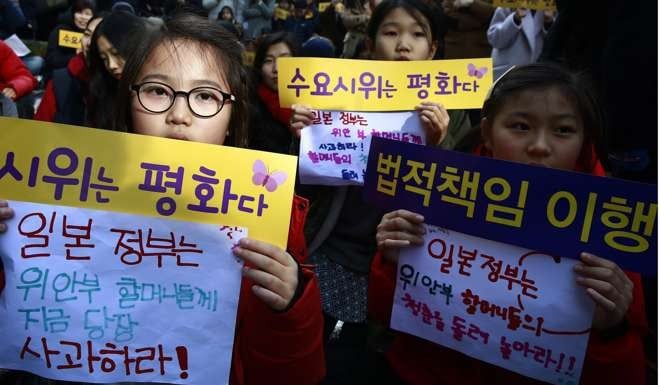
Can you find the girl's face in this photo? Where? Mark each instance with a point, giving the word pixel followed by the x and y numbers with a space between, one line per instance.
pixel 87 35
pixel 538 127
pixel 182 67
pixel 113 61
pixel 227 14
pixel 401 37
pixel 269 68
pixel 81 18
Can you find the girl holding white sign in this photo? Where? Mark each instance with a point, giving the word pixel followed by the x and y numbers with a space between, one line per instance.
pixel 540 115
pixel 341 227
pixel 188 83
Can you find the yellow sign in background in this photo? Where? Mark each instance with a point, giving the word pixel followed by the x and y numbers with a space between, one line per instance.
pixel 281 14
pixel 531 4
pixel 370 85
pixel 69 39
pixel 122 155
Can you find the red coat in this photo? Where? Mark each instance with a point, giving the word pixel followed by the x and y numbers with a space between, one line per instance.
pixel 48 106
pixel 278 348
pixel 420 362
pixel 13 73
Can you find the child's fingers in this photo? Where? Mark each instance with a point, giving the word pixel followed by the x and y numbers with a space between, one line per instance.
pixel 6 212
pixel 408 215
pixel 265 280
pixel 266 250
pixel 601 300
pixel 272 300
pixel 397 239
pixel 400 223
pixel 605 290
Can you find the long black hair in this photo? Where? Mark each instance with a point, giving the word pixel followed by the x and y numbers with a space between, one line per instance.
pixel 223 50
pixel 267 41
pixel 120 29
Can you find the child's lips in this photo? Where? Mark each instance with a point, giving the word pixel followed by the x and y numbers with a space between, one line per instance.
pixel 402 58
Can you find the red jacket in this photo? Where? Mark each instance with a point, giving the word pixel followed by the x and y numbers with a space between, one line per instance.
pixel 278 348
pixel 13 73
pixel 48 106
pixel 420 362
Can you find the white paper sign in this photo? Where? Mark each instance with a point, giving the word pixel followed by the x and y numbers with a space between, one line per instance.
pixel 17 45
pixel 498 303
pixel 105 297
pixel 335 148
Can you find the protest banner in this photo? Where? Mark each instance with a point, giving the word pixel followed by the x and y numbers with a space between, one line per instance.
pixel 99 296
pixel 542 5
pixel 371 85
pixel 551 211
pixel 505 305
pixel 70 39
pixel 334 150
pixel 104 170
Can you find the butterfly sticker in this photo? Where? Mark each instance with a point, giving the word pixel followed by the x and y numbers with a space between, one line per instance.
pixel 261 177
pixel 476 72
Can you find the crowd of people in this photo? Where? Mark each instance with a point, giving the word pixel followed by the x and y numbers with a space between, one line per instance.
pixel 318 312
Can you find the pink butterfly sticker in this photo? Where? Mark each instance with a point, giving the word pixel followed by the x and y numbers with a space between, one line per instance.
pixel 261 177
pixel 477 72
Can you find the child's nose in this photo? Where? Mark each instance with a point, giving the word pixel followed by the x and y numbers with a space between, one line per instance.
pixel 179 113
pixel 540 145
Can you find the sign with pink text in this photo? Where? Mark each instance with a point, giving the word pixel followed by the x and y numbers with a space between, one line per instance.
pixel 100 296
pixel 511 307
pixel 335 148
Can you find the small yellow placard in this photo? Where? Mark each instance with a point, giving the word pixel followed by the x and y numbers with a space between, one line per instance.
pixel 281 14
pixel 248 58
pixel 104 170
pixel 69 39
pixel 531 4
pixel 370 85
pixel 323 6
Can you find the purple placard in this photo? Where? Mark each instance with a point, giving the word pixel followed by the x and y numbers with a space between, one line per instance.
pixel 552 211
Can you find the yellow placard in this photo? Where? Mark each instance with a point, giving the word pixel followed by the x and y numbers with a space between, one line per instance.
pixel 281 14
pixel 248 58
pixel 323 6
pixel 531 4
pixel 69 39
pixel 104 170
pixel 369 85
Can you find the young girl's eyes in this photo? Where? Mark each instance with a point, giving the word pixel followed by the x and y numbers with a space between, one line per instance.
pixel 419 34
pixel 520 126
pixel 565 130
pixel 157 91
pixel 206 96
pixel 390 33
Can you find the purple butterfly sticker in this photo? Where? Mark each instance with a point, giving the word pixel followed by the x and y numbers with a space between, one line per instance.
pixel 261 177
pixel 477 72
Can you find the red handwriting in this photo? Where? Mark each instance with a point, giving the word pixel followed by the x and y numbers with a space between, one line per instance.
pixel 85 356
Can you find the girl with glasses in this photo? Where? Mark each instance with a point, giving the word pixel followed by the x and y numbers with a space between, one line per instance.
pixel 187 82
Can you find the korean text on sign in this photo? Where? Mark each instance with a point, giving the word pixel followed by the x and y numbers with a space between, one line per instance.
pixel 69 39
pixel 97 296
pixel 98 169
pixel 498 303
pixel 367 85
pixel 334 150
pixel 558 212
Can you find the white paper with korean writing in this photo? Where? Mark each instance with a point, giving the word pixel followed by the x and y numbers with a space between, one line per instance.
pixel 335 148
pixel 517 309
pixel 151 300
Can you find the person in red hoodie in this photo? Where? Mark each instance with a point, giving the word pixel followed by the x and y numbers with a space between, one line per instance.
pixel 535 114
pixel 269 123
pixel 65 96
pixel 188 83
pixel 15 80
